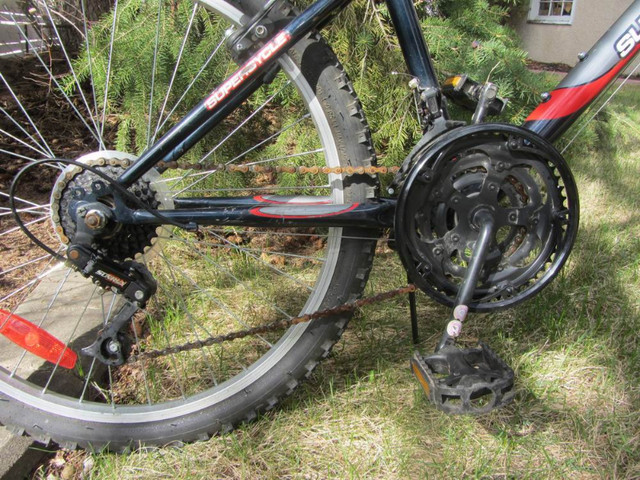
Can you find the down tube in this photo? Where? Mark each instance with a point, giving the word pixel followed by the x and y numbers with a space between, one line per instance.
pixel 595 72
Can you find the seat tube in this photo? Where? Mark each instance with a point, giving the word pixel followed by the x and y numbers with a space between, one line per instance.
pixel 414 48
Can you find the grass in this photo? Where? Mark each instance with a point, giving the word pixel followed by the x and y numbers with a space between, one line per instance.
pixel 575 350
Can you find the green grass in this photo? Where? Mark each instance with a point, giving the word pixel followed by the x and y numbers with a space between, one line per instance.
pixel 575 349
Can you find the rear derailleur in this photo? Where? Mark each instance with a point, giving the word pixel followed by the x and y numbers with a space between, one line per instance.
pixel 130 279
pixel 102 248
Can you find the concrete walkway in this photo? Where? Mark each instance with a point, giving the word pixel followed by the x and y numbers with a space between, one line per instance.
pixel 65 319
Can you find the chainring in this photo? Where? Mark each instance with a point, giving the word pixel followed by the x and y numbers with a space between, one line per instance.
pixel 521 179
pixel 125 241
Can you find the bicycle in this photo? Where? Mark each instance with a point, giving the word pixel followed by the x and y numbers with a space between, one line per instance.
pixel 484 218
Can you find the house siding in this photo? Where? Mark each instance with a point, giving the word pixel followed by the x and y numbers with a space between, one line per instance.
pixel 562 43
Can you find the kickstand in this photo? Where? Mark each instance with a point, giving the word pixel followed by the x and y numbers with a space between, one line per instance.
pixel 414 316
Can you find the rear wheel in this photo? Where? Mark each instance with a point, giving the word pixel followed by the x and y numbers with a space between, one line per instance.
pixel 210 283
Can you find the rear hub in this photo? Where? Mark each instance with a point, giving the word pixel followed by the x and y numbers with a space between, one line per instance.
pixel 114 240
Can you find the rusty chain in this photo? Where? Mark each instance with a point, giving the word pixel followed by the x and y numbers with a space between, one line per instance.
pixel 271 327
pixel 300 170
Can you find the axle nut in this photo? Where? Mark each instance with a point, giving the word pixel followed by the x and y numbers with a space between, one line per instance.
pixel 95 219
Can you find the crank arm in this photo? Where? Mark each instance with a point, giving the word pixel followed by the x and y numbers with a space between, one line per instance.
pixel 486 223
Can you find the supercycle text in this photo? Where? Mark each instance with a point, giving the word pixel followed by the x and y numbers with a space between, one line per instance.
pixel 256 61
pixel 628 41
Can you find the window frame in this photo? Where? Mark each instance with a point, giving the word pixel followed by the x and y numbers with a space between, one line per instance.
pixel 535 17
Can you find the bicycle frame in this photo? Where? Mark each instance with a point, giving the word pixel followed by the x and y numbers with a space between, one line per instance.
pixel 558 111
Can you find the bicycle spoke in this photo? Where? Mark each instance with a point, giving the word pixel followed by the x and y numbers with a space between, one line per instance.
pixel 233 132
pixel 153 75
pixel 275 269
pixel 193 82
pixel 70 339
pixel 22 142
pixel 36 210
pixel 25 264
pixel 24 112
pixel 241 155
pixel 216 300
pixel 175 69
pixel 106 317
pixel 193 324
pixel 42 149
pixel 30 283
pixel 61 90
pixel 90 62
pixel 44 316
pixel 15 229
pixel 73 72
pixel 106 85
pixel 232 246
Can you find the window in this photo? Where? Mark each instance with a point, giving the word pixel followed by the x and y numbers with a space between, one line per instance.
pixel 544 11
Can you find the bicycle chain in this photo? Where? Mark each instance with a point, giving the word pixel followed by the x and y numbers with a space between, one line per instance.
pixel 278 325
pixel 301 170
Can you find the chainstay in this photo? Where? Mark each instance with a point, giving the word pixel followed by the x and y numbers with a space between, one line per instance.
pixel 271 327
pixel 300 170
pixel 281 324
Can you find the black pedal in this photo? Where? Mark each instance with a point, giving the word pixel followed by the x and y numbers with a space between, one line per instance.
pixel 465 380
pixel 465 92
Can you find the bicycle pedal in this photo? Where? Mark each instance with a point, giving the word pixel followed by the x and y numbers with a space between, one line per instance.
pixel 464 380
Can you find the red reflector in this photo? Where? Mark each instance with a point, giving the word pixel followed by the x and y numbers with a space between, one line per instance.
pixel 36 340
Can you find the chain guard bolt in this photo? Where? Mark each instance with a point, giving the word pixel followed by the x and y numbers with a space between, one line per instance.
pixel 139 295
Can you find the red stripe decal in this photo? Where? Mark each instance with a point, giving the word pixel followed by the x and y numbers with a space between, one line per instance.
pixel 567 101
pixel 261 199
pixel 257 211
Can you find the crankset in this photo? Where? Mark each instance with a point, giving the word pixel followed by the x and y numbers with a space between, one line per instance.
pixel 486 218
